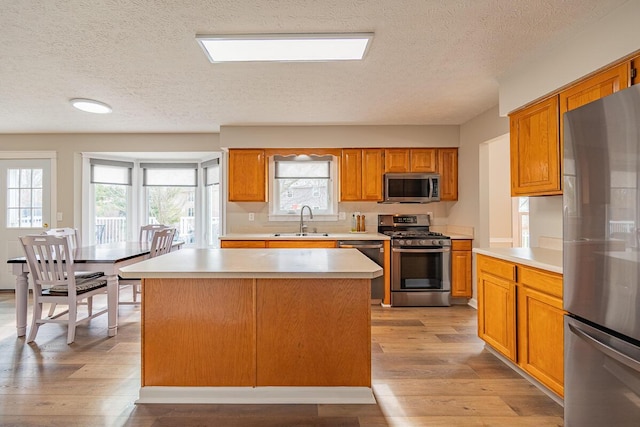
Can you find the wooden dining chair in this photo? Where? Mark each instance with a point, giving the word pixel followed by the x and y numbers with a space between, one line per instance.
pixel 160 244
pixel 51 264
pixel 147 231
pixel 73 235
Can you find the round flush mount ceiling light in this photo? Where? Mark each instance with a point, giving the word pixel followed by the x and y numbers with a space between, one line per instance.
pixel 90 106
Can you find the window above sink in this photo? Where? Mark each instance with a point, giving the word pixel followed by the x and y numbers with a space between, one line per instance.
pixel 299 180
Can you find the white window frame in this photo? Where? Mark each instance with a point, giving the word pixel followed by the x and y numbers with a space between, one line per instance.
pixel 275 215
pixel 88 203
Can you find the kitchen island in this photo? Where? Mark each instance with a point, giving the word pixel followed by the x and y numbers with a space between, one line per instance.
pixel 247 326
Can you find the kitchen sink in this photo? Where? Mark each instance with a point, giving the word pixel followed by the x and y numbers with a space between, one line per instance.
pixel 300 234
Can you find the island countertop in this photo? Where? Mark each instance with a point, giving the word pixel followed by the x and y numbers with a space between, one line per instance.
pixel 369 235
pixel 250 263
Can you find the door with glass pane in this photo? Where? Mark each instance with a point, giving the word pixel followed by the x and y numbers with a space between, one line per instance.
pixel 25 207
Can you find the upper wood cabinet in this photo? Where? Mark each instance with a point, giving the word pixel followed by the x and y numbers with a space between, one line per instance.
pixel 361 174
pixel 423 160
pixel 536 131
pixel 448 169
pixel 596 87
pixel 591 89
pixel 635 66
pixel 247 176
pixel 396 160
pixel 410 160
pixel 535 150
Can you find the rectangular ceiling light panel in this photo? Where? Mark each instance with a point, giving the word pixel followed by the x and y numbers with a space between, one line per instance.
pixel 285 47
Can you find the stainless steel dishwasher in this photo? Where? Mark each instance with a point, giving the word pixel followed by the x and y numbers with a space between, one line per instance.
pixel 374 250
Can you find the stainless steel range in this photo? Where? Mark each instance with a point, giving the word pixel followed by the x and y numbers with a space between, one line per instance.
pixel 420 261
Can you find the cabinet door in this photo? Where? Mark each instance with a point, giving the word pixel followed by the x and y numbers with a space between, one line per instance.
pixel 594 88
pixel 247 176
pixel 497 313
pixel 635 66
pixel 535 150
pixel 372 169
pixel 461 274
pixel 423 160
pixel 541 337
pixel 351 174
pixel 396 160
pixel 448 169
pixel 602 84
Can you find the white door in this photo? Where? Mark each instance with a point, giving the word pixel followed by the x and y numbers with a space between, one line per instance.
pixel 25 207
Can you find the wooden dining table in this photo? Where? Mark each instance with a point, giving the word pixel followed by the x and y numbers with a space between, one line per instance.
pixel 108 258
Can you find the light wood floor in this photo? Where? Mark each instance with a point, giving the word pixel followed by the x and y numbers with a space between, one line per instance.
pixel 429 369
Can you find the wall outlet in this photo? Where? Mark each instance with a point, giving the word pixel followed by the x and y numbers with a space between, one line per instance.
pixel 252 216
pixel 59 216
pixel 342 216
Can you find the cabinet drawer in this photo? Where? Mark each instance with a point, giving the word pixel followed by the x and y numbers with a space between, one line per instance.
pixel 301 244
pixel 549 283
pixel 497 267
pixel 460 245
pixel 243 244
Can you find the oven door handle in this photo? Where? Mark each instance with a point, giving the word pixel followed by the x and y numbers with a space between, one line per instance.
pixel 422 251
pixel 361 246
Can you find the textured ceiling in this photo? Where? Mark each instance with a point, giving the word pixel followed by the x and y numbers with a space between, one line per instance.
pixel 431 62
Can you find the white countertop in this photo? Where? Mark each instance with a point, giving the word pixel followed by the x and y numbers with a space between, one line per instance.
pixel 542 258
pixel 312 236
pixel 253 263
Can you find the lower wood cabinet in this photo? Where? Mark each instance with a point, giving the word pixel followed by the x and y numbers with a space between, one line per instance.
pixel 541 337
pixel 520 315
pixel 228 244
pixel 497 305
pixel 461 268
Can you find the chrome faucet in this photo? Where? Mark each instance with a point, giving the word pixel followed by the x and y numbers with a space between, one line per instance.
pixel 303 228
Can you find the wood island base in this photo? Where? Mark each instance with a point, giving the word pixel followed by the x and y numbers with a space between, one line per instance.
pixel 256 340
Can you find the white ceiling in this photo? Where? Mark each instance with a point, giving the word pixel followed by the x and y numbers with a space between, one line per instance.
pixel 431 62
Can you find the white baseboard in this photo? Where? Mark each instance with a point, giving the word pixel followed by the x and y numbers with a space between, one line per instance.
pixel 528 377
pixel 256 395
pixel 473 303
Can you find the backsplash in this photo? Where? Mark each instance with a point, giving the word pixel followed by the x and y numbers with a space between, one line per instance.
pixel 238 217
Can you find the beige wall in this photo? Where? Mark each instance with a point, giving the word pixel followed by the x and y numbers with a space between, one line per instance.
pixel 609 39
pixel 332 137
pixel 471 209
pixel 69 146
pixel 338 136
pixel 500 225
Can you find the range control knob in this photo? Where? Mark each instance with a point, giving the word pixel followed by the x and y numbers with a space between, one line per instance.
pixel 441 242
pixel 423 242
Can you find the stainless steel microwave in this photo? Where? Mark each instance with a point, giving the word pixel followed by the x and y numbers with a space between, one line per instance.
pixel 411 187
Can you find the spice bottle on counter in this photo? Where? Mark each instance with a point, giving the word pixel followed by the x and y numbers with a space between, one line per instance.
pixel 358 223
pixel 362 226
pixel 354 226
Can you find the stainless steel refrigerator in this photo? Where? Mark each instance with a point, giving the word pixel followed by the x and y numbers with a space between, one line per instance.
pixel 601 262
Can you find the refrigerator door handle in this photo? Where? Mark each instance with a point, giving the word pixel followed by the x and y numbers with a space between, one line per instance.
pixel 609 351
